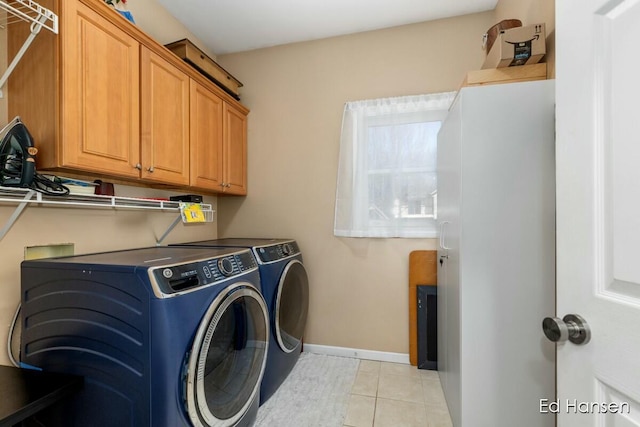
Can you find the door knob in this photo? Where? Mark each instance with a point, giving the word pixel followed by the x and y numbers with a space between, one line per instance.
pixel 571 327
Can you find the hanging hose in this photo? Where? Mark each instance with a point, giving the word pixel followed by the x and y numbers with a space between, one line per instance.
pixel 12 328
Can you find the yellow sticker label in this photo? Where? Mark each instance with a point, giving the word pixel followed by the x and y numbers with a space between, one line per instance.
pixel 192 212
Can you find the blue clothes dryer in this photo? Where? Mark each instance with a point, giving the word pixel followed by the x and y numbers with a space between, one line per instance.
pixel 163 336
pixel 285 287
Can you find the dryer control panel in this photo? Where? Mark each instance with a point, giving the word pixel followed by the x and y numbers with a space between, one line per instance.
pixel 180 278
pixel 267 254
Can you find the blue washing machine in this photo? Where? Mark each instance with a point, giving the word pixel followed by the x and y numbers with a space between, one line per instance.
pixel 285 287
pixel 163 336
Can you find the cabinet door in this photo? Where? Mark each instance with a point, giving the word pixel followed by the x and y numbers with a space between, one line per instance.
pixel 100 97
pixel 165 120
pixel 235 150
pixel 206 138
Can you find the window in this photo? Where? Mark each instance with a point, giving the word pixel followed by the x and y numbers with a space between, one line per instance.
pixel 387 184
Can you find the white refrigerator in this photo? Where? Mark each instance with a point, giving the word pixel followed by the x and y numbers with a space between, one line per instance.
pixel 496 267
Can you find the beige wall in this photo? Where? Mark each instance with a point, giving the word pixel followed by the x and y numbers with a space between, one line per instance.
pixel 359 287
pixel 154 19
pixel 296 93
pixel 91 230
pixel 533 12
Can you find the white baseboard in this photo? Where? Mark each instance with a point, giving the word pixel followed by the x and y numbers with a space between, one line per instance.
pixel 357 353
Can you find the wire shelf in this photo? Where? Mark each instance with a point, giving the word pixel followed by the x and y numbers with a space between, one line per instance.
pixel 29 11
pixel 18 195
pixel 25 196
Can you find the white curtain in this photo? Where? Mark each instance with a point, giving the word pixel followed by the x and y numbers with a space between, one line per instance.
pixel 386 185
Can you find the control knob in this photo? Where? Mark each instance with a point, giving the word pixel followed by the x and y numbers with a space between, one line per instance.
pixel 225 266
pixel 286 249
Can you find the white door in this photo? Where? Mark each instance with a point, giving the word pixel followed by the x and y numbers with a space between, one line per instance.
pixel 598 208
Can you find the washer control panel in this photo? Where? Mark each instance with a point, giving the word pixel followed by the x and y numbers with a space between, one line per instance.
pixel 183 277
pixel 268 254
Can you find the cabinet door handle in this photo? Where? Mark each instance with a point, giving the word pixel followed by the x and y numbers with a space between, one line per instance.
pixel 138 166
pixel 150 169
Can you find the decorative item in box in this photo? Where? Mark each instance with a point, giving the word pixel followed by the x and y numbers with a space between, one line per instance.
pixel 492 33
pixel 117 5
pixel 206 66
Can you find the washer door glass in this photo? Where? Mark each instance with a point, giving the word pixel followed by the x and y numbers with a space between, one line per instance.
pixel 228 358
pixel 292 306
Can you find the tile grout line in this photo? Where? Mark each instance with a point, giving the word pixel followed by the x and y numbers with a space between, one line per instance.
pixel 426 383
pixel 375 402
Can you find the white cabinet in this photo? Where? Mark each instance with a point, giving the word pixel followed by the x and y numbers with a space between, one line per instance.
pixel 496 212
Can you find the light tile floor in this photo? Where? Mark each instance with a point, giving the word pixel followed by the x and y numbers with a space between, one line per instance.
pixel 395 395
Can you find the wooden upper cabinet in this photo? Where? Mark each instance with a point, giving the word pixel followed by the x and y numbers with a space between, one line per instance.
pixel 78 92
pixel 103 98
pixel 218 143
pixel 235 150
pixel 100 98
pixel 165 120
pixel 206 138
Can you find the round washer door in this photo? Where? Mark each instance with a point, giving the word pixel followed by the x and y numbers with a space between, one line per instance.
pixel 292 306
pixel 228 357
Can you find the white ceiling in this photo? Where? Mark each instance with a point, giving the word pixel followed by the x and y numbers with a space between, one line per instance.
pixel 227 26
